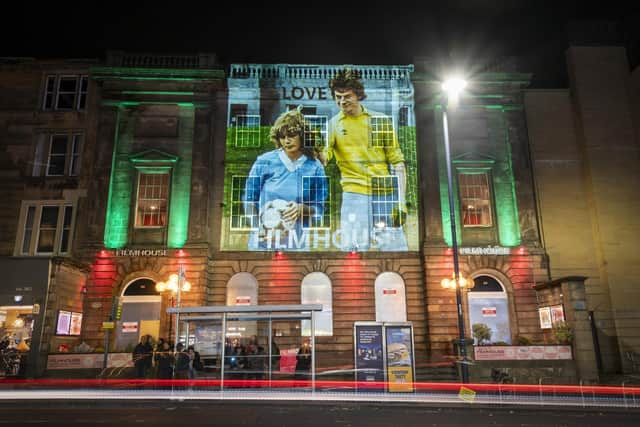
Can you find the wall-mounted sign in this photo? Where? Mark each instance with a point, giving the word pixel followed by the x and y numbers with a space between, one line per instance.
pixel 487 250
pixel 489 311
pixel 140 252
pixel 529 352
pixel 244 300
pixel 129 327
pixel 388 291
pixel 108 325
pixel 557 313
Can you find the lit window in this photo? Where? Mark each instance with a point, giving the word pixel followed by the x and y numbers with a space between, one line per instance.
pixel 245 196
pixel 152 198
pixel 382 131
pixel 315 194
pixel 474 199
pixel 247 128
pixel 316 289
pixel 315 132
pixel 385 202
pixel 65 92
pixel 391 305
pixel 46 228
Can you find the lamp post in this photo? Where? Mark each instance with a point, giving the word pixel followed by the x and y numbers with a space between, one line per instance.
pixel 452 89
pixel 177 284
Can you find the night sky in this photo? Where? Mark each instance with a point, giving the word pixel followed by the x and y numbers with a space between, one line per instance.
pixel 347 32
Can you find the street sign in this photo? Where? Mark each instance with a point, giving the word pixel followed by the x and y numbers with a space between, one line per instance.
pixel 108 325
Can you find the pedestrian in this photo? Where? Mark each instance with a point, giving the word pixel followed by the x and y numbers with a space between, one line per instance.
pixel 181 366
pixel 165 361
pixel 303 360
pixel 142 354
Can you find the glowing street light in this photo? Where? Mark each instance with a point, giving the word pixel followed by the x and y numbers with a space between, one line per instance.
pixel 176 284
pixel 451 89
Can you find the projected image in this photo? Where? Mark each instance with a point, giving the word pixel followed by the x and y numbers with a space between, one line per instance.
pixel 320 158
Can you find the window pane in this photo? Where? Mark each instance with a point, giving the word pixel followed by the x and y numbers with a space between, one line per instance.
pixel 28 229
pixel 66 229
pixel 74 166
pixel 151 204
pixel 57 155
pixel 48 223
pixel 68 84
pixel 475 200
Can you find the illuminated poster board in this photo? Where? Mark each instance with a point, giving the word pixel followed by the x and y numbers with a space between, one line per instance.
pixel 69 323
pixel 307 172
pixel 369 356
pixel 400 357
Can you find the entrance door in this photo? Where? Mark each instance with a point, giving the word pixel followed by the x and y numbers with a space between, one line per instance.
pixel 140 315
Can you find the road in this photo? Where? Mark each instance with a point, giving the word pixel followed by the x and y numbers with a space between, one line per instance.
pixel 229 413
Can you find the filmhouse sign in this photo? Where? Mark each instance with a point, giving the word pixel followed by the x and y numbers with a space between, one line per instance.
pixel 488 250
pixel 140 252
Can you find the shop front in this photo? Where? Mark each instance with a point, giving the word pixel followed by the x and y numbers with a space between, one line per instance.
pixel 22 307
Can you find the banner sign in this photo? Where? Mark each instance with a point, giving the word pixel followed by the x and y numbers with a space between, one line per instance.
pixel 400 362
pixel 88 360
pixel 530 352
pixel 369 353
pixel 320 158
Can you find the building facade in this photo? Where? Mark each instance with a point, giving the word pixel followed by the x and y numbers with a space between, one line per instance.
pixel 147 162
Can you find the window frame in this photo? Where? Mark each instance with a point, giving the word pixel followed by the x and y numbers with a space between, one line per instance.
pixel 152 171
pixel 486 172
pixel 62 229
pixel 74 148
pixel 80 93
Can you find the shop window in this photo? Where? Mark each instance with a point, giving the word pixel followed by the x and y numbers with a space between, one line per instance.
pixel 382 134
pixel 65 92
pixel 489 306
pixel 152 200
pixel 316 289
pixel 58 154
pixel 391 303
pixel 475 200
pixel 385 202
pixel 46 228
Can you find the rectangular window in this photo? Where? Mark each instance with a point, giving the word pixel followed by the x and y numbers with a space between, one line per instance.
pixel 65 92
pixel 47 228
pixel 381 131
pixel 475 199
pixel 152 200
pixel 64 151
pixel 245 196
pixel 315 194
pixel 385 202
pixel 247 129
pixel 315 132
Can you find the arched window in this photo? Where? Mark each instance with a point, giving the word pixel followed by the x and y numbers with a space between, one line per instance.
pixel 242 289
pixel 316 289
pixel 391 305
pixel 140 312
pixel 489 305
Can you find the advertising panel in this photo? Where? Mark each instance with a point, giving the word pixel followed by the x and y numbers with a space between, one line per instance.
pixel 320 158
pixel 369 353
pixel 400 359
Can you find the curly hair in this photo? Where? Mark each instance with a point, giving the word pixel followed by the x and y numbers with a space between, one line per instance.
pixel 347 79
pixel 291 122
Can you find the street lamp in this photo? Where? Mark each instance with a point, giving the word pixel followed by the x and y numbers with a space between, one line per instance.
pixel 176 285
pixel 452 89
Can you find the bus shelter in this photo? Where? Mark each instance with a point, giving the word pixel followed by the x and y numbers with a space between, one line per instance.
pixel 249 342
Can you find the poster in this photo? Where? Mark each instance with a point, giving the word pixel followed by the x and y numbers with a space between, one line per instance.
pixel 400 363
pixel 320 158
pixel 557 314
pixel 64 321
pixel 545 317
pixel 369 360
